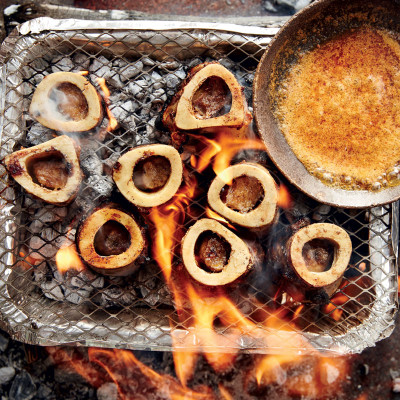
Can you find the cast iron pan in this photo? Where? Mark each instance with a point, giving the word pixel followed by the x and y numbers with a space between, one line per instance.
pixel 315 24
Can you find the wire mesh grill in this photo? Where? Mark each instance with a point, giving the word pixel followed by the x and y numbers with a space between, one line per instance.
pixel 143 68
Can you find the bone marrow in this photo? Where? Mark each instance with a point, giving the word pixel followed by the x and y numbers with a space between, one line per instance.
pixel 318 254
pixel 49 171
pixel 66 101
pixel 245 194
pixel 209 97
pixel 213 255
pixel 150 175
pixel 110 241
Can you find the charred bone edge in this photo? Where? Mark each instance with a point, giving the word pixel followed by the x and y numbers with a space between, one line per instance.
pixel 240 260
pixel 180 115
pixel 123 171
pixel 328 280
pixel 261 216
pixel 16 164
pixel 44 114
pixel 115 265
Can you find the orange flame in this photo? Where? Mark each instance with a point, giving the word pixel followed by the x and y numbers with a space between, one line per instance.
pixel 68 258
pixel 224 392
pixel 213 215
pixel 284 198
pixel 112 122
pixel 222 149
pixel 83 73
pixel 166 219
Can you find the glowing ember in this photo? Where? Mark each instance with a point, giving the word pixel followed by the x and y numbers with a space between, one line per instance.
pixel 68 258
pixel 112 122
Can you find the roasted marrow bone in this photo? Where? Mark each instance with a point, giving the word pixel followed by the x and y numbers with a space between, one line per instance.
pixel 110 241
pixel 245 194
pixel 208 91
pixel 150 175
pixel 67 102
pixel 319 255
pixel 213 255
pixel 49 171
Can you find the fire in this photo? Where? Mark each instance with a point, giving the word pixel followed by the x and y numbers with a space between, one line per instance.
pixel 68 258
pixel 166 219
pixel 83 73
pixel 284 198
pixel 213 215
pixel 125 370
pixel 112 122
pixel 222 149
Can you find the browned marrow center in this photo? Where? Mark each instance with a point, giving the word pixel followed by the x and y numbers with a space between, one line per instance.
pixel 49 171
pixel 244 194
pixel 112 238
pixel 212 252
pixel 110 241
pixel 70 101
pixel 149 175
pixel 318 255
pixel 213 98
pixel 152 173
pixel 213 255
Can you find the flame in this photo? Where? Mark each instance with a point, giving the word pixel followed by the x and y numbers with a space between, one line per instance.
pixel 68 258
pixel 125 370
pixel 224 392
pixel 222 149
pixel 166 219
pixel 298 311
pixel 83 73
pixel 112 122
pixel 213 215
pixel 284 198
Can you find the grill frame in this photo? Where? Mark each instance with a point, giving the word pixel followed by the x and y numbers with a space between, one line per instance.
pixel 32 324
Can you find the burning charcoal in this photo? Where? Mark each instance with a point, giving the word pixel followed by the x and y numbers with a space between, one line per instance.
pixel 51 214
pixel 107 391
pixel 194 62
pixel 101 184
pixel 131 71
pixel 118 296
pixel 36 226
pixel 269 5
pixel 40 272
pixel 100 68
pixel 90 162
pixel 23 387
pixel 321 212
pixel 43 250
pixel 52 291
pixel 79 281
pixel 63 64
pixel 169 65
pixel 172 81
pixel 82 60
pixel 76 296
pixel 38 134
pixel 227 63
pixel 150 128
pixel 157 79
pixel 6 374
pixel 159 95
pixel 152 288
pixel 123 111
pixel 148 61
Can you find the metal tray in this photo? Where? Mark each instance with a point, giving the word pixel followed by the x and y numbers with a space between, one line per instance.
pixel 30 311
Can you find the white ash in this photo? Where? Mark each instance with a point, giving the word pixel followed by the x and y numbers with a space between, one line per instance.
pixel 152 288
pixel 148 61
pixel 52 291
pixel 90 162
pixel 64 64
pixel 81 60
pixel 169 65
pixel 107 391
pixel 103 185
pixel 131 71
pixel 76 296
pixel 118 296
pixel 6 374
pixel 38 134
pixel 51 213
pixel 41 249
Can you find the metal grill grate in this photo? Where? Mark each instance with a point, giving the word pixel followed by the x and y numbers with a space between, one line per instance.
pixel 143 68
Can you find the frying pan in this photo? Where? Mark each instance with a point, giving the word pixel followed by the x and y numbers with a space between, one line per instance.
pixel 315 24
